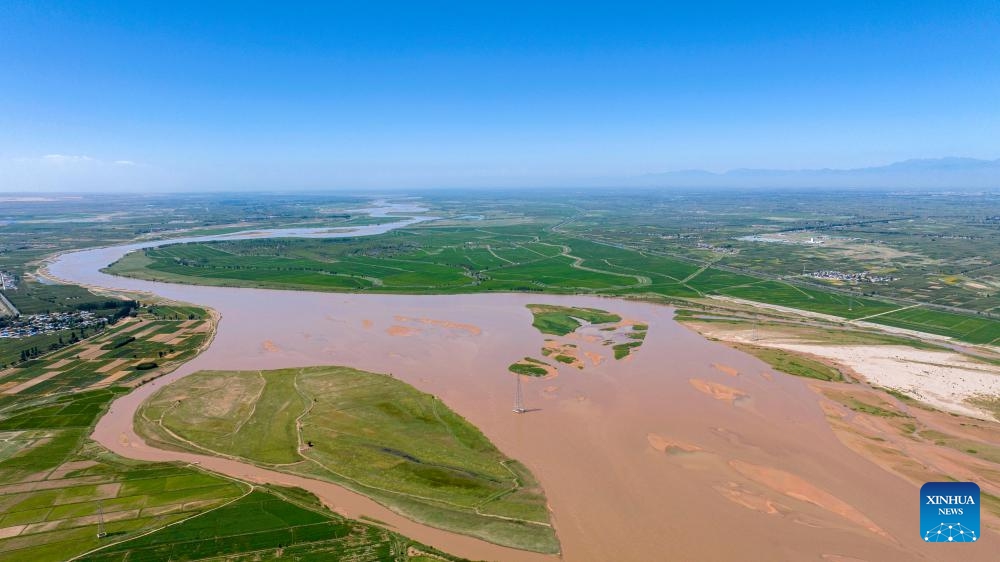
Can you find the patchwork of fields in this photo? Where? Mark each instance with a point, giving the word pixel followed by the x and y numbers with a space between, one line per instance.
pixel 157 340
pixel 524 258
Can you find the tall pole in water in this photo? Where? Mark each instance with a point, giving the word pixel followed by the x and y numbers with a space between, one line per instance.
pixel 518 396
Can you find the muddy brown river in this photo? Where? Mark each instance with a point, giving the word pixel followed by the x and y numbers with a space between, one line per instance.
pixel 688 450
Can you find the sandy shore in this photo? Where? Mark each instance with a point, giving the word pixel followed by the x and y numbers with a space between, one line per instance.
pixel 942 379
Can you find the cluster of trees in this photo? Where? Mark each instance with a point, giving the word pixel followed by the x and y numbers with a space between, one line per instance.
pixel 33 352
pixel 29 353
pixel 122 308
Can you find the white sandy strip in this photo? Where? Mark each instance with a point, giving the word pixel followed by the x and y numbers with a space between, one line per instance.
pixel 941 378
pixel 28 384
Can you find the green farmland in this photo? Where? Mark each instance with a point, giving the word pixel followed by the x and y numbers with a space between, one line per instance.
pixel 368 432
pixel 55 480
pixel 523 258
pixel 264 524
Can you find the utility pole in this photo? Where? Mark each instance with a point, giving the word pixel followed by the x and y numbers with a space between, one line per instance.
pixel 101 533
pixel 518 396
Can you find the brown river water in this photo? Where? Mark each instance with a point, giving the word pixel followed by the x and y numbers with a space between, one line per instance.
pixel 688 450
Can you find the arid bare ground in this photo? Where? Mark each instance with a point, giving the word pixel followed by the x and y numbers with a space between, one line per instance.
pixel 942 378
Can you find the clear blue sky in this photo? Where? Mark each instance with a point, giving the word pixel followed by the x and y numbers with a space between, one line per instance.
pixel 177 95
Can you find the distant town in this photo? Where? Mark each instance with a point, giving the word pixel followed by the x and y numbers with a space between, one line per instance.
pixel 39 324
pixel 861 277
pixel 7 281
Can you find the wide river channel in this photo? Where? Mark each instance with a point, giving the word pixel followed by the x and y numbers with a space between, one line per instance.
pixel 649 458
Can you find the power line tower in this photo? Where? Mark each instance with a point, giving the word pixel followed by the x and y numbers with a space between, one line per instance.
pixel 101 533
pixel 518 396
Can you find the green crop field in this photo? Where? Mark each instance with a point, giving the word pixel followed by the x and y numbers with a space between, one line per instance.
pixel 265 524
pixel 166 335
pixel 527 257
pixel 368 432
pixel 53 480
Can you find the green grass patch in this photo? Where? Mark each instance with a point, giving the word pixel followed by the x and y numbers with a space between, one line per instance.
pixel 793 363
pixel 622 350
pixel 562 320
pixel 990 404
pixel 368 432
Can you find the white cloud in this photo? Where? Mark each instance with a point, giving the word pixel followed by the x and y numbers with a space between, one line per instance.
pixel 67 159
pixel 125 163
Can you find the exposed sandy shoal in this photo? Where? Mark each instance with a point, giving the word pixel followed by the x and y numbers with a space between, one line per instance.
pixel 470 328
pixel 401 331
pixel 798 488
pixel 731 371
pixel 942 379
pixel 568 350
pixel 717 391
pixel 663 445
pixel 595 358
pixel 269 346
pixel 367 324
pixel 750 500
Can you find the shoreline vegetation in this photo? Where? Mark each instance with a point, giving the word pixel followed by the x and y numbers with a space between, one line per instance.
pixel 443 260
pixel 368 432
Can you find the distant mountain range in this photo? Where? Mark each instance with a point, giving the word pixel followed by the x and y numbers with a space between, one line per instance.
pixel 935 173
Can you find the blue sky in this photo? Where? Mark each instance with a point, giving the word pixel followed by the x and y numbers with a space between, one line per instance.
pixel 215 95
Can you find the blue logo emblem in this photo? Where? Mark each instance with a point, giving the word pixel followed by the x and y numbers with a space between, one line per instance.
pixel 949 512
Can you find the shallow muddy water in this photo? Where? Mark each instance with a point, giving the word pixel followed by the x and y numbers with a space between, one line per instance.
pixel 687 450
